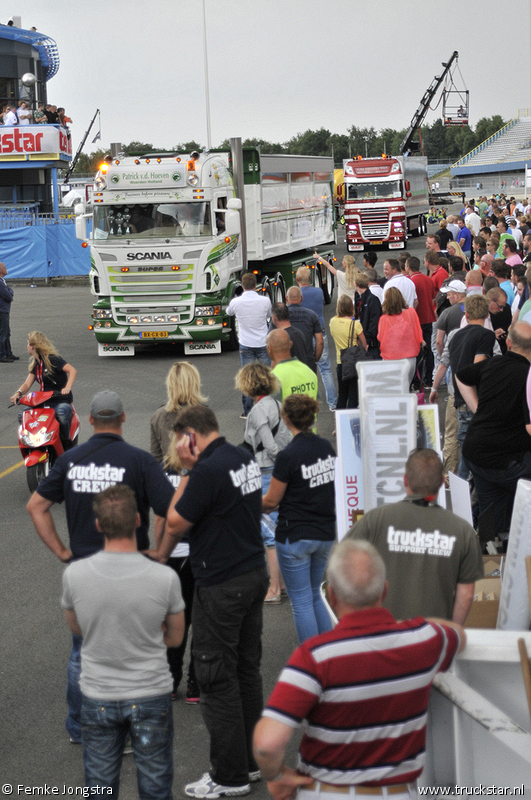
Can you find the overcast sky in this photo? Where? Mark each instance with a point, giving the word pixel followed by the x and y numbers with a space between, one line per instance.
pixel 276 68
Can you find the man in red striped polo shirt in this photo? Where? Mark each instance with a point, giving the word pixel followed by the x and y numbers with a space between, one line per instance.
pixel 363 690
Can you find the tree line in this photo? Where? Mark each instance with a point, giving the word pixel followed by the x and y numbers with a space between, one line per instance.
pixel 438 143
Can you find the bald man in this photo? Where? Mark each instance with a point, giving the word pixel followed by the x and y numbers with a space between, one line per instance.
pixel 294 376
pixel 307 322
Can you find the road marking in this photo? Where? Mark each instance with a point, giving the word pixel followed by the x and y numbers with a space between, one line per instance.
pixel 11 469
pixel 8 446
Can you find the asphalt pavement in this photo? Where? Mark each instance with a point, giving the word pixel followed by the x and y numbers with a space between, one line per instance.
pixel 34 640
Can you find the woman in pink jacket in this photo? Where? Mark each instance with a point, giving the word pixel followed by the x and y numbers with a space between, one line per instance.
pixel 399 331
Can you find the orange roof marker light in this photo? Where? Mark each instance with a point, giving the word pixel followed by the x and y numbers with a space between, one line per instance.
pixel 104 167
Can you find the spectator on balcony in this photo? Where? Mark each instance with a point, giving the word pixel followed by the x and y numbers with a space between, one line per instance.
pixel 10 115
pixel 40 115
pixel 24 114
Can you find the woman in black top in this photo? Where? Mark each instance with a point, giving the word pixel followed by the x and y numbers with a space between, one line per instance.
pixel 302 487
pixel 53 374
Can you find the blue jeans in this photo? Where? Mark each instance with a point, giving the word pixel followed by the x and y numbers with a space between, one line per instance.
pixel 498 486
pixel 326 375
pixel 149 721
pixel 302 565
pixel 63 414
pixel 73 692
pixel 268 531
pixel 247 355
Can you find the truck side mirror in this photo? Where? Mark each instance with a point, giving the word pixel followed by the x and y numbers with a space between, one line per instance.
pixel 81 228
pixel 408 187
pixel 234 203
pixel 232 221
pixel 408 194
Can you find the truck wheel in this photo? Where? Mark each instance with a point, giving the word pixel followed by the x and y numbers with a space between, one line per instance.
pixel 278 290
pixel 328 287
pixel 35 474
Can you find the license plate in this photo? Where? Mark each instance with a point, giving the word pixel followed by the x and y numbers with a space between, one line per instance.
pixel 376 241
pixel 198 348
pixel 153 334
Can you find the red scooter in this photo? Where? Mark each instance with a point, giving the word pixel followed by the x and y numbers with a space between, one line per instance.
pixel 38 435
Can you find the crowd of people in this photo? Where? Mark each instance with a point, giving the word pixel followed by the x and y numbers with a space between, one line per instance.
pixel 243 526
pixel 23 114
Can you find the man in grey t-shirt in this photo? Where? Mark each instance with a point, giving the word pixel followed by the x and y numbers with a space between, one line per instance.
pixel 432 557
pixel 128 610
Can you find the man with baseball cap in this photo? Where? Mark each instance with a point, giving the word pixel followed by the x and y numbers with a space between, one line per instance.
pixel 76 478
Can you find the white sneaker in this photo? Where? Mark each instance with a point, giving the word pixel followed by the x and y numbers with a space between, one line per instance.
pixel 209 789
pixel 255 776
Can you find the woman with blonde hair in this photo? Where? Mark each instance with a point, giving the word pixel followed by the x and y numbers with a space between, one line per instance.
pixel 346 281
pixel 183 388
pixel 454 249
pixel 266 435
pixel 344 329
pixel 399 331
pixel 54 374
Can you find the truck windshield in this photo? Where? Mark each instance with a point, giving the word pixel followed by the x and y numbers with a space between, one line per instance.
pixel 382 190
pixel 152 221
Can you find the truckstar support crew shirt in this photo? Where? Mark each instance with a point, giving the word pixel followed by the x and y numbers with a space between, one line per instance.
pixel 80 474
pixel 427 551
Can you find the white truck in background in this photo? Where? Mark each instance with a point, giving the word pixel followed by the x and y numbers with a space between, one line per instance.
pixel 169 243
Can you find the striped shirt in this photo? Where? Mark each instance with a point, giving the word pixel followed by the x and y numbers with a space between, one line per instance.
pixel 363 689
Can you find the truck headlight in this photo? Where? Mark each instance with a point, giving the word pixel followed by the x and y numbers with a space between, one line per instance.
pixel 102 313
pixel 193 180
pixel 100 182
pixel 207 311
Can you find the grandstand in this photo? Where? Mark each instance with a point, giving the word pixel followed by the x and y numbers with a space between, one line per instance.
pixel 503 156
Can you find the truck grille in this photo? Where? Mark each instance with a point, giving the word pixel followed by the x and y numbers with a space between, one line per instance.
pixel 375 224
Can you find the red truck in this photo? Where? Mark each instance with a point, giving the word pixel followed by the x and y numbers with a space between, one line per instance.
pixel 386 200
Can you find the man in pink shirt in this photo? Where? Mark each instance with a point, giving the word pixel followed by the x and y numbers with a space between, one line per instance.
pixel 510 254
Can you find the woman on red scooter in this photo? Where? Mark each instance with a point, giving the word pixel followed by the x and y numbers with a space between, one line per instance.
pixel 53 374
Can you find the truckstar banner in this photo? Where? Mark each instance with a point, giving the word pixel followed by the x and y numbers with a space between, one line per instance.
pixel 34 142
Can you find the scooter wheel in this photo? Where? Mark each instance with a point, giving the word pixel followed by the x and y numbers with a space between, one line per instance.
pixel 35 474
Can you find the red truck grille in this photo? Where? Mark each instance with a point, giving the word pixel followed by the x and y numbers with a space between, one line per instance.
pixel 375 224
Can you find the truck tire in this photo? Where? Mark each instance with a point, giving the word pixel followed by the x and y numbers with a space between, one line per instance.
pixel 328 287
pixel 278 290
pixel 267 289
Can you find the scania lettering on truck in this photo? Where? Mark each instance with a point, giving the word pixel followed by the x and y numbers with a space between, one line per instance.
pixel 386 200
pixel 169 241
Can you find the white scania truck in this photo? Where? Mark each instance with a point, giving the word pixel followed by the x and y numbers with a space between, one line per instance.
pixel 171 235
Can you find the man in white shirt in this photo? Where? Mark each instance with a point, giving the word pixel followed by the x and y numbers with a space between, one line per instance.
pixel 24 114
pixel 10 116
pixel 252 312
pixel 474 219
pixel 452 226
pixel 406 287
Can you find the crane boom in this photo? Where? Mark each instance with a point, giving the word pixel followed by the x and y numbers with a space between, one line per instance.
pixel 422 110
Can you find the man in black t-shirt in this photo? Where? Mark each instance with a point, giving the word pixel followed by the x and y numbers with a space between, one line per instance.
pixel 219 501
pixel 497 447
pixel 464 346
pixel 76 478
